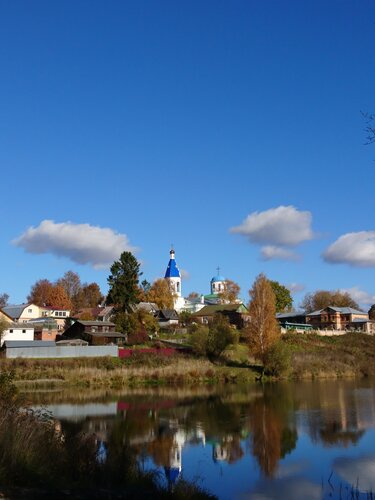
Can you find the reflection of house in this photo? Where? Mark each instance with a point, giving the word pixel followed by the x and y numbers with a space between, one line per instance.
pixel 237 314
pixel 94 332
pixel 341 318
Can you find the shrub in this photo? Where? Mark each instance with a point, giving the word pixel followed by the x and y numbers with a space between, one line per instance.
pixel 199 339
pixel 220 335
pixel 277 359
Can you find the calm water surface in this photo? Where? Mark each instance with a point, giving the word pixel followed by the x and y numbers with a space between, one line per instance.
pixel 306 440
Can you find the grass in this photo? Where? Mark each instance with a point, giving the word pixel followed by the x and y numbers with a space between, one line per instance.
pixel 313 356
pixel 138 370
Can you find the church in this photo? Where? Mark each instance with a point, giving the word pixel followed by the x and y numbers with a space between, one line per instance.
pixel 173 276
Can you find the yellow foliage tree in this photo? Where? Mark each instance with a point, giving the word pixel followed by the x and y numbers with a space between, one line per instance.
pixel 160 293
pixel 263 328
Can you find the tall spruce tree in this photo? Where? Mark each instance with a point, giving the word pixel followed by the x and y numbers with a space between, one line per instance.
pixel 124 282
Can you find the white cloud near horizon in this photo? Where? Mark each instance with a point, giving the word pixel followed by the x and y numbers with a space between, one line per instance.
pixel 81 243
pixel 295 288
pixel 354 249
pixel 277 229
pixel 360 296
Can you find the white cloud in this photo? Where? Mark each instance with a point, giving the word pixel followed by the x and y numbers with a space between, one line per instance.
pixel 81 243
pixel 295 288
pixel 285 226
pixel 185 275
pixel 355 249
pixel 355 471
pixel 360 296
pixel 271 252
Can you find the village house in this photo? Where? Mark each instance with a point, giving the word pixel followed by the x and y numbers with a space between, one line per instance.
pixel 237 314
pixel 94 332
pixel 22 313
pixel 340 318
pixel 17 331
pixel 44 328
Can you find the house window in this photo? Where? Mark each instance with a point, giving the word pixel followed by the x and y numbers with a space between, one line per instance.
pixel 64 313
pixel 29 310
pixel 56 313
pixel 11 330
pixel 23 331
pixel 60 313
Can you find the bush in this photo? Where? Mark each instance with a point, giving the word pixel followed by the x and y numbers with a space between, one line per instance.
pixel 277 359
pixel 199 339
pixel 220 336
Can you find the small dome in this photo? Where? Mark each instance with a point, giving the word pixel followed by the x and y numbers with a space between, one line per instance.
pixel 217 278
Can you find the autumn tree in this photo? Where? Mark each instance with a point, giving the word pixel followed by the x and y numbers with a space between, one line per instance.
pixel 230 292
pixel 4 297
pixel 58 298
pixel 324 298
pixel 124 282
pixel 263 328
pixel 160 293
pixel 40 293
pixel 71 283
pixel 88 296
pixel 4 325
pixel 193 296
pixel 283 297
pixel 371 312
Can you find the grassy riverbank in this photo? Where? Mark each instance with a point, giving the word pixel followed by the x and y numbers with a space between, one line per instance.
pixel 310 356
pixel 140 370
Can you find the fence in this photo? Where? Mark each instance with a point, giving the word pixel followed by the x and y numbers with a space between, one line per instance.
pixel 62 352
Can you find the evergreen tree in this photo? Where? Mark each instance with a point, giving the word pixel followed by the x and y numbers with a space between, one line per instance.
pixel 124 282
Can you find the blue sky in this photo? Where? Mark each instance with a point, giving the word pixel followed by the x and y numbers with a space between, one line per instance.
pixel 175 122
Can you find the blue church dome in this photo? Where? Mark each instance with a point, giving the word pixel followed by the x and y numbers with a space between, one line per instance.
pixel 217 278
pixel 172 269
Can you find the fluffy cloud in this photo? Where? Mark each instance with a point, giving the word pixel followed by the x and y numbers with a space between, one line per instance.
pixel 281 226
pixel 360 296
pixel 355 249
pixel 81 243
pixel 270 252
pixel 277 228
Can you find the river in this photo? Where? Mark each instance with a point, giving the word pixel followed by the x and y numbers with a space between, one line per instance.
pixel 302 440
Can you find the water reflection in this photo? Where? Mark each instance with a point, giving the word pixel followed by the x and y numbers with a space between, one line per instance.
pixel 270 430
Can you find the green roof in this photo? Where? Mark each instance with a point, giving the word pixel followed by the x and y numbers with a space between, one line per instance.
pixel 211 310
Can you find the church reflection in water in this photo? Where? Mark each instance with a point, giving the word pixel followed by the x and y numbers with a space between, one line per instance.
pixel 264 421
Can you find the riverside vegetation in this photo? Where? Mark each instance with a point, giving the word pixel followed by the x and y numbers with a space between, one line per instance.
pixel 68 463
pixel 294 356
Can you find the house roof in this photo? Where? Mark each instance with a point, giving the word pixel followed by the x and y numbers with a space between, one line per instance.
pixel 95 323
pixel 147 306
pixel 103 311
pixel 341 310
pixel 20 326
pixel 15 310
pixel 168 314
pixel 211 310
pixel 292 314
